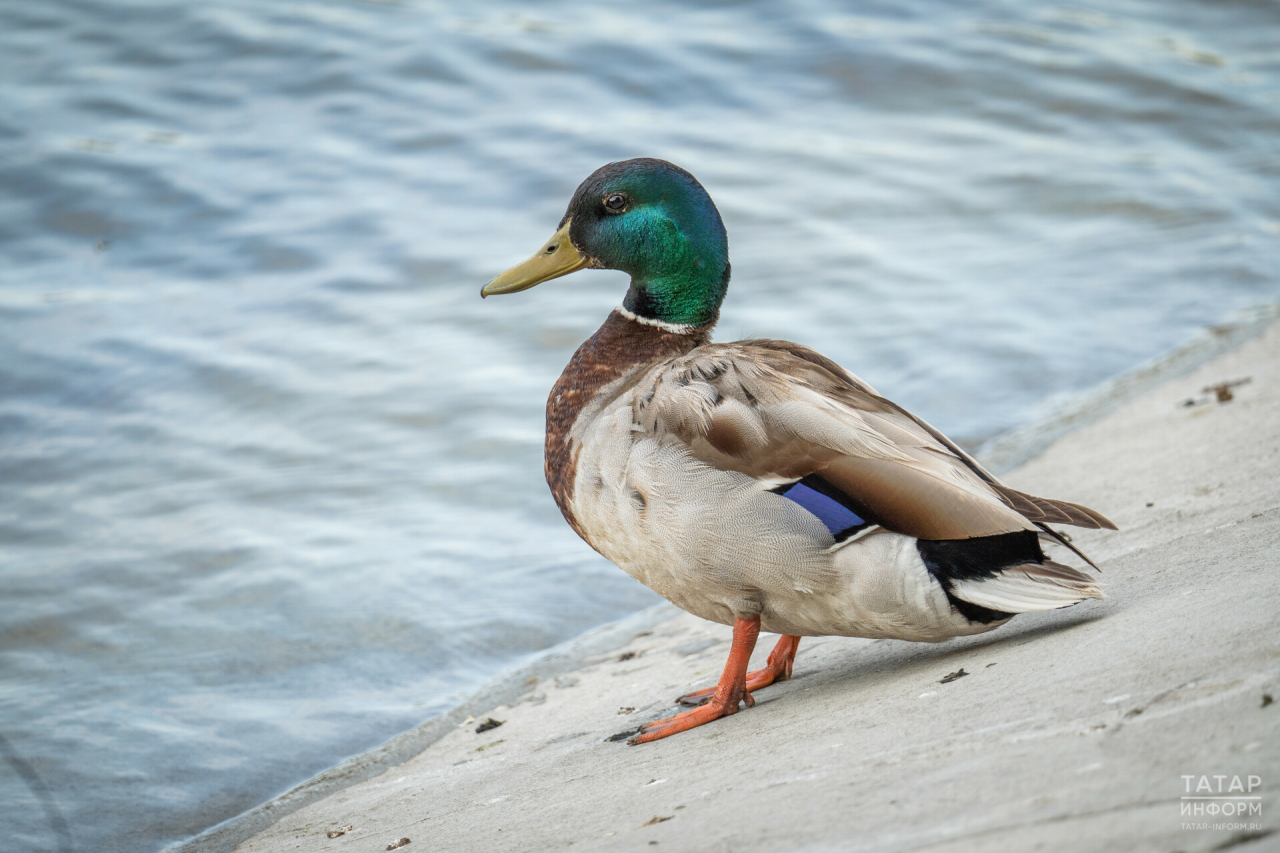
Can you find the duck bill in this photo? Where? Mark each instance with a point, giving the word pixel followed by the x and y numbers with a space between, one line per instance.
pixel 556 258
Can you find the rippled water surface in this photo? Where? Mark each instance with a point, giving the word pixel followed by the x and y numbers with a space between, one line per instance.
pixel 271 470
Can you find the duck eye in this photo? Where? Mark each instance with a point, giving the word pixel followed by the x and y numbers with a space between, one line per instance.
pixel 615 203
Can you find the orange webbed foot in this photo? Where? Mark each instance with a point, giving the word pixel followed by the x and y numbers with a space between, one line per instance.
pixel 711 710
pixel 724 700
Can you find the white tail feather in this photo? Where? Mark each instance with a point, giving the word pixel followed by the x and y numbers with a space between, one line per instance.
pixel 1031 586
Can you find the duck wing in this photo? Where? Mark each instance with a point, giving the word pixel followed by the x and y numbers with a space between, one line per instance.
pixel 781 413
pixel 1037 509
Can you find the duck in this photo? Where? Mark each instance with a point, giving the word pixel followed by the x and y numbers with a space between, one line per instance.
pixel 759 484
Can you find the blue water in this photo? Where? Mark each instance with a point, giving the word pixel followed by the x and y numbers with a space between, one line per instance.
pixel 271 471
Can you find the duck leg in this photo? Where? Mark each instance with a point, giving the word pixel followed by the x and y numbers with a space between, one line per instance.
pixel 731 690
pixel 781 659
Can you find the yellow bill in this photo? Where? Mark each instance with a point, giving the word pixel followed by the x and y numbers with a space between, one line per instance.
pixel 556 258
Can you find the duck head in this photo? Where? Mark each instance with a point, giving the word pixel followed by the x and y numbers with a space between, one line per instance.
pixel 648 218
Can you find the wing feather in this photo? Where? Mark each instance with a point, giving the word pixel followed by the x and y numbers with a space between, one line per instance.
pixel 779 411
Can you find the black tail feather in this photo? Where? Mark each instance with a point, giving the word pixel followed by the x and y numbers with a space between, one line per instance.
pixel 1066 543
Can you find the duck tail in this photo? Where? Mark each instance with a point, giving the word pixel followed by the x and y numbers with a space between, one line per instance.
pixel 1028 586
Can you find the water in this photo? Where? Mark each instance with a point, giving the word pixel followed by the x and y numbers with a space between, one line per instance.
pixel 271 470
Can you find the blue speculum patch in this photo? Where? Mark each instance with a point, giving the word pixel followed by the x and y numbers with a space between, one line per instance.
pixel 838 518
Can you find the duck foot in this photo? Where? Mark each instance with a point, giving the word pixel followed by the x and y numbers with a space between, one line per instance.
pixel 778 668
pixel 724 700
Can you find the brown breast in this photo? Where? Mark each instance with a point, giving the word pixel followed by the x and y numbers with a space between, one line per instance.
pixel 616 347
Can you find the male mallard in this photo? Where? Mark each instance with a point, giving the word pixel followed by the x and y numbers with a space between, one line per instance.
pixel 758 483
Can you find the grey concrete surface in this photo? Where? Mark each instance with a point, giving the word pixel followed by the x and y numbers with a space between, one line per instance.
pixel 1072 730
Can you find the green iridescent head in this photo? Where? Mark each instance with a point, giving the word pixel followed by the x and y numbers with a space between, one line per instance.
pixel 648 218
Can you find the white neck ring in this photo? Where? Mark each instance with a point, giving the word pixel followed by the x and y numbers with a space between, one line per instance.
pixel 673 328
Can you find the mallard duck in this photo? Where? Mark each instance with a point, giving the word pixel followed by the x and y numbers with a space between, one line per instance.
pixel 759 484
